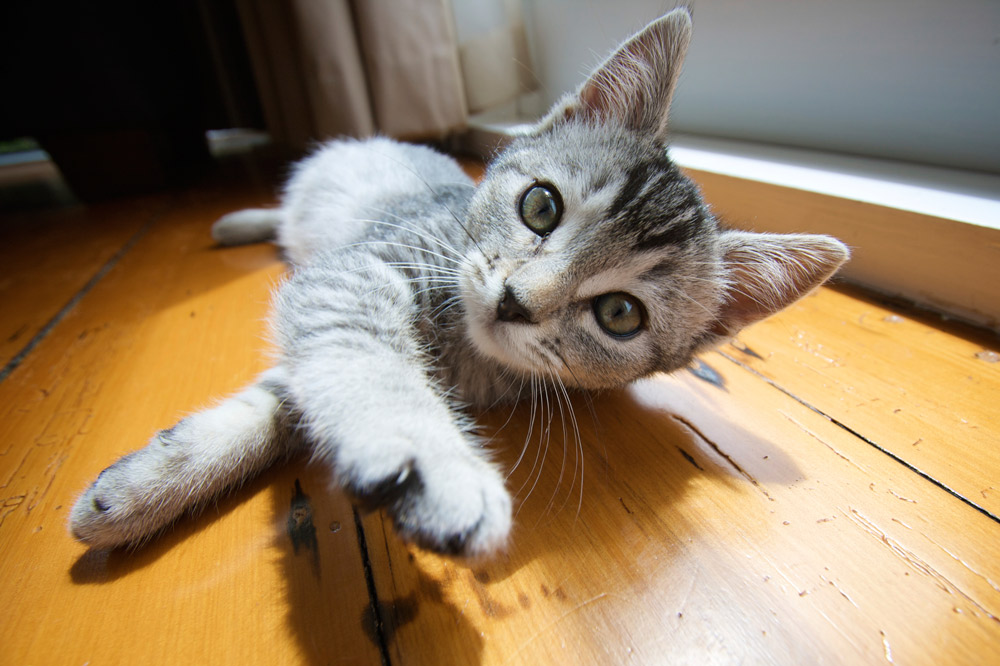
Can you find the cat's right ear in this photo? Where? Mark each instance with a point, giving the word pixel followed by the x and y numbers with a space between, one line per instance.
pixel 634 86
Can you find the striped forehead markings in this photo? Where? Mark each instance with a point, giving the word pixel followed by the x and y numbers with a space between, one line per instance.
pixel 635 179
pixel 671 214
pixel 676 231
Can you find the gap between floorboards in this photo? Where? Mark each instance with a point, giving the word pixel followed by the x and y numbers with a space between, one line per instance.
pixel 98 275
pixel 866 440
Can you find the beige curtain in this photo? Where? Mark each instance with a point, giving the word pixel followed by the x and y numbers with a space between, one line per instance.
pixel 326 68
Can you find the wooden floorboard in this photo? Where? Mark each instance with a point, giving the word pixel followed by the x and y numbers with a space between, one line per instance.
pixel 823 491
pixel 908 384
pixel 173 325
pixel 48 259
pixel 717 525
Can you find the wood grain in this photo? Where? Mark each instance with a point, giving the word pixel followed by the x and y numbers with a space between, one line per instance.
pixel 175 324
pixel 49 257
pixel 906 384
pixel 716 526
pixel 749 513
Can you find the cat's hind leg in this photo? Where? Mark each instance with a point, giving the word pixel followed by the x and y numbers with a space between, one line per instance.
pixel 186 466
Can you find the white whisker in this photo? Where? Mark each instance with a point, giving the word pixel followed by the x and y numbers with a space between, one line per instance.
pixel 431 189
pixel 416 232
pixel 531 427
pixel 562 420
pixel 415 248
pixel 578 448
pixel 682 294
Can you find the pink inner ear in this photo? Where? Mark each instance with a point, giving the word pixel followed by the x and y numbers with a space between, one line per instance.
pixel 622 88
pixel 768 272
pixel 634 86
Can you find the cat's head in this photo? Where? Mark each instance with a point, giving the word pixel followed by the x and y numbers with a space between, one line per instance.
pixel 595 259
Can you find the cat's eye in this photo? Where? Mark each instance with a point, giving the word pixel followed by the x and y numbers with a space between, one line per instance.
pixel 619 314
pixel 541 208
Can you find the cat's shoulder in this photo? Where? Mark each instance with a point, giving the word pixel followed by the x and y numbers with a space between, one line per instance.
pixel 380 161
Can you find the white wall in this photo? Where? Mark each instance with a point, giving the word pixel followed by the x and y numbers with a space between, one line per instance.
pixel 915 80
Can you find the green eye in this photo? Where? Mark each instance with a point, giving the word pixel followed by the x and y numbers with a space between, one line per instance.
pixel 541 208
pixel 619 314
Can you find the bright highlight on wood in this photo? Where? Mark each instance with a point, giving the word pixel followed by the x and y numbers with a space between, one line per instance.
pixel 823 490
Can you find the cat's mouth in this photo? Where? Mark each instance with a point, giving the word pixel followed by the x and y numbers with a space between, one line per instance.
pixel 499 326
pixel 512 343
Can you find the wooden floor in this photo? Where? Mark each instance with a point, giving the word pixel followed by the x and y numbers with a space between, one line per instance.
pixel 824 490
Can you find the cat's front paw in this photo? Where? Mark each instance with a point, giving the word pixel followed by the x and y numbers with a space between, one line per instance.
pixel 129 502
pixel 104 516
pixel 458 506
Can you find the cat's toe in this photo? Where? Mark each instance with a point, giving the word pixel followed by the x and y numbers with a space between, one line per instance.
pixel 116 510
pixel 482 538
pixel 90 519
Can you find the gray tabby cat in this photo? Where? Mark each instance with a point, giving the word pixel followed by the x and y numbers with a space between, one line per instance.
pixel 585 259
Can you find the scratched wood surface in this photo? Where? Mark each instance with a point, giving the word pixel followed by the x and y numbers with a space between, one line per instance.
pixel 766 508
pixel 890 404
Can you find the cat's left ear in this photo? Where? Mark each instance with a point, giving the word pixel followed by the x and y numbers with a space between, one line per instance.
pixel 768 272
pixel 635 85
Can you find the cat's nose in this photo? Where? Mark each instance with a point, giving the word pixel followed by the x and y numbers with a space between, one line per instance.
pixel 512 310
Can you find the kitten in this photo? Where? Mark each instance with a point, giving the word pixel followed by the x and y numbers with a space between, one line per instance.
pixel 584 259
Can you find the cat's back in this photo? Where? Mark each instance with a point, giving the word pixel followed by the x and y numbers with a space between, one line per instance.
pixel 341 192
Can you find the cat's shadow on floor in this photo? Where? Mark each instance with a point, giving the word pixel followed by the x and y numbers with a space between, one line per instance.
pixel 639 452
pixel 98 566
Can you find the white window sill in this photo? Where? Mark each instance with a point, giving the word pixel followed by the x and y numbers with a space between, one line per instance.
pixel 968 197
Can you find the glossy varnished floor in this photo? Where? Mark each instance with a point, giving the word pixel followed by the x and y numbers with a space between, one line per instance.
pixel 824 490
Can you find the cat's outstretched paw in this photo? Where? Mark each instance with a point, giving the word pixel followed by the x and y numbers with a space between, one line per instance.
pixel 119 508
pixel 185 467
pixel 144 491
pixel 457 507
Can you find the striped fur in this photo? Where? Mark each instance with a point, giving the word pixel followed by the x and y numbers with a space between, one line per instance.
pixel 392 323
